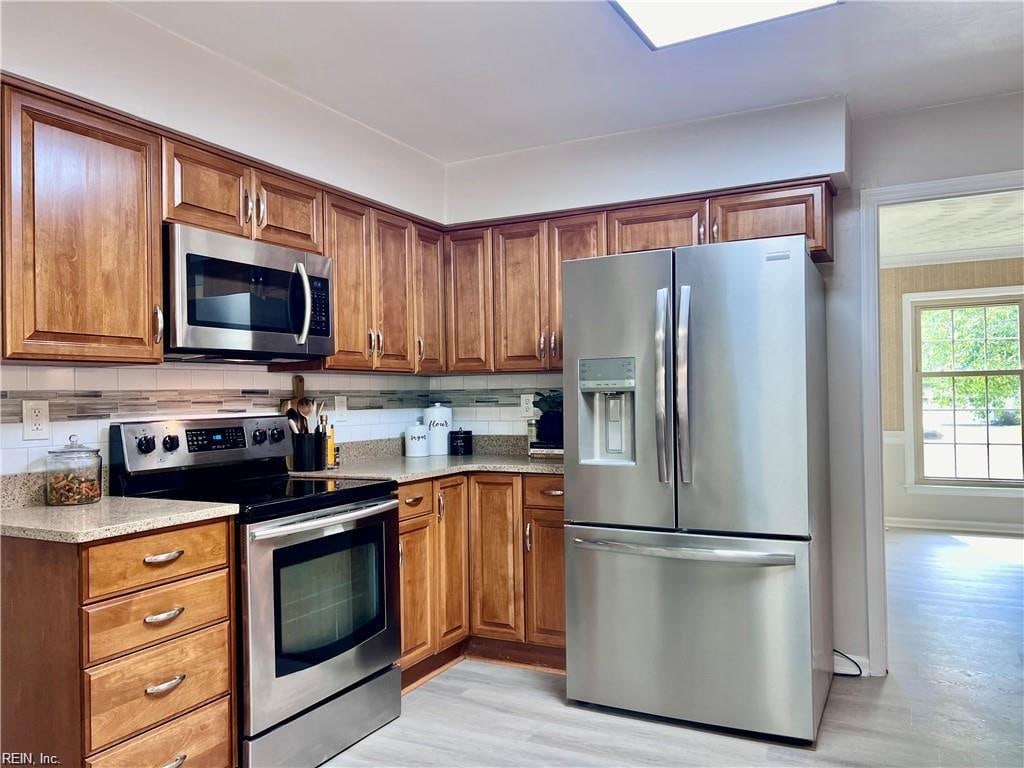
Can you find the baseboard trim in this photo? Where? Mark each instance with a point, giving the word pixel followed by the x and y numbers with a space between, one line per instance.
pixel 843 666
pixel 514 652
pixel 956 526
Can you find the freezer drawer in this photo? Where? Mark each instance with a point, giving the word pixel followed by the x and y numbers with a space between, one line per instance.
pixel 708 629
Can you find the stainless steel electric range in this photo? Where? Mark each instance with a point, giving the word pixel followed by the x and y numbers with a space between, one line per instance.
pixel 317 599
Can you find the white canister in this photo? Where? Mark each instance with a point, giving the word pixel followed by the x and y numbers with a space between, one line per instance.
pixel 438 419
pixel 416 440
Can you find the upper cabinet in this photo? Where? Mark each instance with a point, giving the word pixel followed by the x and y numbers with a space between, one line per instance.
pixel 775 213
pixel 569 238
pixel 392 247
pixel 81 255
pixel 467 266
pixel 207 190
pixel 656 226
pixel 521 273
pixel 347 243
pixel 428 300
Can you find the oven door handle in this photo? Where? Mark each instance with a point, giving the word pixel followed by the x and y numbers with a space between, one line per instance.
pixel 307 295
pixel 323 522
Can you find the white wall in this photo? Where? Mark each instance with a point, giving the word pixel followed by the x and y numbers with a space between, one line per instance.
pixel 788 142
pixel 105 53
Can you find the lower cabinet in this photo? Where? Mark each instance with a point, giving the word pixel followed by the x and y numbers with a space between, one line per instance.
pixel 545 577
pixel 496 557
pixel 417 544
pixel 452 498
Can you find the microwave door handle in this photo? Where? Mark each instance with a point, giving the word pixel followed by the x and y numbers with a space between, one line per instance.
pixel 683 386
pixel 660 390
pixel 327 521
pixel 307 295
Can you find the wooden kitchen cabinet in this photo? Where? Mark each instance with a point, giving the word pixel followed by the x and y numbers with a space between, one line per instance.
pixel 81 223
pixel 521 274
pixel 452 501
pixel 545 576
pixel 347 242
pixel 206 190
pixel 428 300
pixel 496 557
pixel 774 213
pixel 569 238
pixel 417 558
pixel 392 248
pixel 656 226
pixel 287 212
pixel 469 338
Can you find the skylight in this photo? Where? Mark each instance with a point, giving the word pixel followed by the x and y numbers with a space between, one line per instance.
pixel 669 22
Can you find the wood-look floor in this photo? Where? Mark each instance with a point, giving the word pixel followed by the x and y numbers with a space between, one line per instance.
pixel 953 696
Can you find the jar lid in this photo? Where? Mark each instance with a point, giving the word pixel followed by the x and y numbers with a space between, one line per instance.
pixel 74 447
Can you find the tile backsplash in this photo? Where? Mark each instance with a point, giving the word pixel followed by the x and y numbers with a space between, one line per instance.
pixel 84 401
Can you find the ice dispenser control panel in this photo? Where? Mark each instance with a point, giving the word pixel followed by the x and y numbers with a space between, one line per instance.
pixel 607 404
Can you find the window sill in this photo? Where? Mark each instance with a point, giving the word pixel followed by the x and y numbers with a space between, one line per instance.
pixel 1002 492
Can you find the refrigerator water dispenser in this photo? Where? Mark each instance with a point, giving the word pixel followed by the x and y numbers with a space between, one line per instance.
pixel 607 410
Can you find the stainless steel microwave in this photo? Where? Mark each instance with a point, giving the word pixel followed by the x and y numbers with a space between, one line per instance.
pixel 229 297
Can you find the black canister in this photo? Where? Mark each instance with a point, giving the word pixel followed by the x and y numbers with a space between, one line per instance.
pixel 460 443
pixel 308 452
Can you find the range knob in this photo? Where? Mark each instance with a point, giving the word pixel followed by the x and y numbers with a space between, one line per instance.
pixel 171 442
pixel 146 444
pixel 259 436
pixel 276 435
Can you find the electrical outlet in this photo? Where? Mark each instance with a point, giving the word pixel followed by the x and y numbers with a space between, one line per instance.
pixel 526 406
pixel 341 407
pixel 35 420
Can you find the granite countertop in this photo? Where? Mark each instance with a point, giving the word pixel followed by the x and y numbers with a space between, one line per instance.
pixel 407 470
pixel 110 516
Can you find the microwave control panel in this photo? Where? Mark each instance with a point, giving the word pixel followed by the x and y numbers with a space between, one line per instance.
pixel 320 320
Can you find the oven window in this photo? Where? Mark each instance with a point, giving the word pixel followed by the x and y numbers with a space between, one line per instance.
pixel 227 294
pixel 328 596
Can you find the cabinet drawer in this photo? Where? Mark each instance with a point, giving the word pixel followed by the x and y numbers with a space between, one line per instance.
pixel 121 697
pixel 124 565
pixel 121 624
pixel 544 491
pixel 415 499
pixel 203 736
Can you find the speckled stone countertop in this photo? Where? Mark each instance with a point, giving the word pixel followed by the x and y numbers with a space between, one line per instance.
pixel 110 516
pixel 407 470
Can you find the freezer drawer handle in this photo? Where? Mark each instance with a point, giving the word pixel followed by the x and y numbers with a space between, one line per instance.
pixel 729 556
pixel 660 390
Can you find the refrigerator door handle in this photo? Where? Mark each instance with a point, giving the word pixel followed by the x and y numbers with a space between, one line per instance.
pixel 683 386
pixel 726 556
pixel 660 390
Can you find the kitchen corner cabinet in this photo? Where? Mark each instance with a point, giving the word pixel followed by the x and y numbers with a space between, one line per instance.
pixel 774 213
pixel 521 325
pixel 569 238
pixel 469 337
pixel 496 557
pixel 647 227
pixel 81 222
pixel 206 190
pixel 428 300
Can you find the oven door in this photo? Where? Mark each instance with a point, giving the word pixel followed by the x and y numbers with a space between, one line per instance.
pixel 236 295
pixel 320 606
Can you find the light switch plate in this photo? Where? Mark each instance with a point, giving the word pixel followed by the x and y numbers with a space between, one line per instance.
pixel 35 420
pixel 526 405
pixel 341 407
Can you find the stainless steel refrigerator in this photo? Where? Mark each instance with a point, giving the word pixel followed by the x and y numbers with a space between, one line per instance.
pixel 698 573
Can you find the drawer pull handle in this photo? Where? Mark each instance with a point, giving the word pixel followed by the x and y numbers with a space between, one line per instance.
pixel 558 492
pixel 176 762
pixel 163 558
pixel 163 618
pixel 414 500
pixel 166 687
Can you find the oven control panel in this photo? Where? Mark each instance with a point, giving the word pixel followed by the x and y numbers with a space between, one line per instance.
pixel 144 446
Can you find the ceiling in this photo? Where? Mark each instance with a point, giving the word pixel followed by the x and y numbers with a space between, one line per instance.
pixel 461 80
pixel 952 229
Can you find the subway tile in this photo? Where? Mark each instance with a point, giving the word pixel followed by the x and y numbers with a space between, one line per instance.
pixel 141 379
pixel 339 381
pixel 498 381
pixel 268 380
pixel 13 377
pixel 503 428
pixel 488 413
pixel 36 460
pixel 13 460
pixel 51 378
pixel 522 381
pixel 208 378
pixel 87 431
pixel 238 379
pixel 95 379
pixel 464 414
pixel 549 380
pixel 316 382
pixel 474 382
pixel 511 413
pixel 11 437
pixel 174 379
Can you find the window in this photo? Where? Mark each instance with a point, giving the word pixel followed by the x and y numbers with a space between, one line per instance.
pixel 967 389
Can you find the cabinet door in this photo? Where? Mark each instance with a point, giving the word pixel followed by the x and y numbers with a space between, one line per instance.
pixel 417 555
pixel 496 556
pixel 545 577
pixel 520 297
pixel 207 190
pixel 287 212
pixel 348 244
pixel 452 510
pixel 428 298
pixel 392 272
pixel 656 226
pixel 775 213
pixel 569 238
pixel 82 254
pixel 467 265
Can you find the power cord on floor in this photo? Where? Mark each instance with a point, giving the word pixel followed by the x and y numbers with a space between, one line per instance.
pixel 859 671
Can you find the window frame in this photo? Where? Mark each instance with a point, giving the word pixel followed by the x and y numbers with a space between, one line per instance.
pixel 913 305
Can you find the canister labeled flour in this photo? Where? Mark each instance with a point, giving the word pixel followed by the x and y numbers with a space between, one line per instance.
pixel 438 419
